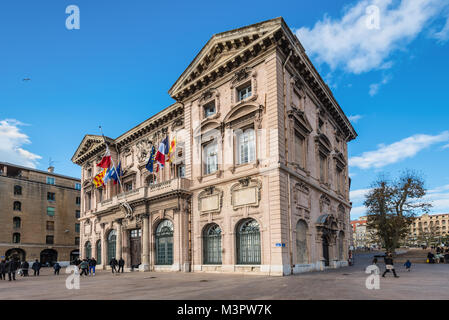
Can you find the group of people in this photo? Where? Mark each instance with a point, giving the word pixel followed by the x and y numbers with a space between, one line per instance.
pixel 389 264
pixel 441 256
pixel 11 266
pixel 114 264
pixel 87 266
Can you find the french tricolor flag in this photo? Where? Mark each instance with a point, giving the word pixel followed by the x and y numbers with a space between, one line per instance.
pixel 161 152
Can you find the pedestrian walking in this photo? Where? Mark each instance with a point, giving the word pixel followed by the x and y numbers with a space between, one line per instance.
pixel 11 268
pixel 25 266
pixel 57 267
pixel 389 265
pixel 121 264
pixel 84 265
pixel 92 265
pixel 113 263
pixel 3 270
pixel 36 267
pixel 408 265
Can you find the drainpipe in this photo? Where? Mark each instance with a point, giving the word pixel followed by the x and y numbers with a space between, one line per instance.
pixel 289 210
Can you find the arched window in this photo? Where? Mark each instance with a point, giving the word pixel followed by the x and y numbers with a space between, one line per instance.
pixel 17 190
pixel 17 206
pixel 212 244
pixel 88 250
pixel 301 243
pixel 341 237
pixel 112 239
pixel 16 221
pixel 164 243
pixel 248 242
pixel 98 251
pixel 16 237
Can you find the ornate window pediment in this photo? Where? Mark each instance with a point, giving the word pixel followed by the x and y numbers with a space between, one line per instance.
pixel 243 114
pixel 246 193
pixel 210 96
pixel 210 200
pixel 323 143
pixel 300 120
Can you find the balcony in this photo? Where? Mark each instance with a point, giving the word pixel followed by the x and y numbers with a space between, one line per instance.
pixel 146 192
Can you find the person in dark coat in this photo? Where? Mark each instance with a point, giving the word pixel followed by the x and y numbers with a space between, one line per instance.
pixel 3 270
pixel 431 256
pixel 389 265
pixel 36 267
pixel 11 267
pixel 92 265
pixel 25 266
pixel 121 264
pixel 113 263
pixel 84 265
pixel 57 267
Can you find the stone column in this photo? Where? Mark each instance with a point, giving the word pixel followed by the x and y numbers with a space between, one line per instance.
pixel 104 249
pixel 118 248
pixel 145 265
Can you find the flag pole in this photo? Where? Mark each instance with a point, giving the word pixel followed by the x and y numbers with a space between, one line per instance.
pixel 112 160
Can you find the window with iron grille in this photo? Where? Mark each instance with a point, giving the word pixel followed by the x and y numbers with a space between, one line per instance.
pixel 212 244
pixel 112 238
pixel 17 206
pixel 248 242
pixel 17 222
pixel 99 252
pixel 164 243
pixel 16 237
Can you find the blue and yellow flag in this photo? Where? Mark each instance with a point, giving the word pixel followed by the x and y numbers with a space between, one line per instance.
pixel 150 162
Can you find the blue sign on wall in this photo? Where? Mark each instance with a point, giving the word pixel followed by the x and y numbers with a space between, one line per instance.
pixel 280 244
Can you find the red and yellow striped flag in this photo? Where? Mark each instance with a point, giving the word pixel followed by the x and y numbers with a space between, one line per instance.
pixel 98 179
pixel 171 151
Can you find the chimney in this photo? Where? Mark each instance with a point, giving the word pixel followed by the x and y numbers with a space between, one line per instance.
pixel 51 169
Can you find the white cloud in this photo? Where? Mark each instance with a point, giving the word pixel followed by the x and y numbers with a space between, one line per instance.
pixel 445 146
pixel 357 212
pixel 11 142
pixel 439 198
pixel 374 88
pixel 355 118
pixel 443 35
pixel 358 195
pixel 397 151
pixel 350 44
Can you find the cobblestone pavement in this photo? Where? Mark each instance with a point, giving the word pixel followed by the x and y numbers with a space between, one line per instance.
pixel 423 282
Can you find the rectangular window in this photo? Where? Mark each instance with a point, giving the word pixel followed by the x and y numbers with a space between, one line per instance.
pixel 49 239
pixel 244 92
pixel 88 201
pixel 299 150
pixel 181 170
pixel 77 227
pixel 246 146
pixel 77 214
pixel 323 164
pixel 210 155
pixel 50 180
pixel 340 180
pixel 77 241
pixel 51 211
pixel 128 186
pixel 50 196
pixel 209 109
pixel 78 200
pixel 78 186
pixel 50 225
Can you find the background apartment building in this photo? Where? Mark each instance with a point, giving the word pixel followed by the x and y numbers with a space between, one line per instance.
pixel 39 214
pixel 429 229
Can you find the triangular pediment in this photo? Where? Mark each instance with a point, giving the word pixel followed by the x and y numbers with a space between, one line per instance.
pixel 88 145
pixel 223 47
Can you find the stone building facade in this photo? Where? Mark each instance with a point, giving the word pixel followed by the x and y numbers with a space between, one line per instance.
pixel 429 229
pixel 39 214
pixel 259 182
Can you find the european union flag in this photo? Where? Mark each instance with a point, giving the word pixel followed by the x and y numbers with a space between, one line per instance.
pixel 150 162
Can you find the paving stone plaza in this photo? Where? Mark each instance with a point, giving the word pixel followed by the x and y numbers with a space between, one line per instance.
pixel 425 281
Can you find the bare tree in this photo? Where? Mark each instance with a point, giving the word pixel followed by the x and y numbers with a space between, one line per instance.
pixel 392 205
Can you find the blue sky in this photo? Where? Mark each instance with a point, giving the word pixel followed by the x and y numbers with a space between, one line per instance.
pixel 117 68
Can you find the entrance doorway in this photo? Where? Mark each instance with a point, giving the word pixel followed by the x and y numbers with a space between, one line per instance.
pixel 325 242
pixel 16 254
pixel 49 257
pixel 135 242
